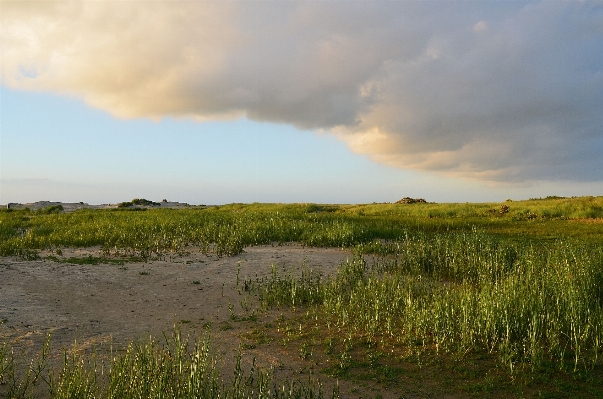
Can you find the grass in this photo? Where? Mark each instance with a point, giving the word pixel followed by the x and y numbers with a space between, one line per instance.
pixel 503 299
pixel 528 310
pixel 226 230
pixel 150 369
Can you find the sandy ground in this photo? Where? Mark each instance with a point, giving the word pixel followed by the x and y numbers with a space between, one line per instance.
pixel 108 305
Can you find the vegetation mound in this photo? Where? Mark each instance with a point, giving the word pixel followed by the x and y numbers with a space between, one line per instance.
pixel 139 202
pixel 408 200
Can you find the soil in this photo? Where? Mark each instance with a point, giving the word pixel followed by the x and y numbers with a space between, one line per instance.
pixel 105 306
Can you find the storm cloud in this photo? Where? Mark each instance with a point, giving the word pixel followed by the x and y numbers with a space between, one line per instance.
pixel 507 92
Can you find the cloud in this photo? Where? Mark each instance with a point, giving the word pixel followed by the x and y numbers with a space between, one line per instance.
pixel 496 91
pixel 480 26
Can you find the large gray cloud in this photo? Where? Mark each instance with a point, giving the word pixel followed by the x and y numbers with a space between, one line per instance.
pixel 507 92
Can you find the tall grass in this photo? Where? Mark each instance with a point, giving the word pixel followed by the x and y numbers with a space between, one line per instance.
pixel 150 369
pixel 531 305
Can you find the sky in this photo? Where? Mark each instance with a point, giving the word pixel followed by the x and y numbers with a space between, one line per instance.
pixel 311 101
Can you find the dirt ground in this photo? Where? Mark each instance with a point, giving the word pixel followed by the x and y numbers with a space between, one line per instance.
pixel 107 306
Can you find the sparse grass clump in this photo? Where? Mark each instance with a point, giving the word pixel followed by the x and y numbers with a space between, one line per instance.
pixel 149 369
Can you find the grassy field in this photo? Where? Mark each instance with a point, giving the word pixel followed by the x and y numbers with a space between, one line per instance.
pixel 226 230
pixel 502 299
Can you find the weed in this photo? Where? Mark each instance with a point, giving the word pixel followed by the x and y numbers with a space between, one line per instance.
pixel 148 369
pixel 225 326
pixel 305 351
pixel 329 345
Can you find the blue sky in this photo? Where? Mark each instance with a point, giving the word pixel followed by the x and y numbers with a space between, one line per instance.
pixel 56 148
pixel 300 102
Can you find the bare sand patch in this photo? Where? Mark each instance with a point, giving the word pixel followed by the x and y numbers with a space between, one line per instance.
pixel 105 306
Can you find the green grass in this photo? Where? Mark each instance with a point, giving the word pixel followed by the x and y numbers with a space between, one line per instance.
pixel 530 308
pixel 149 369
pixel 226 230
pixel 500 298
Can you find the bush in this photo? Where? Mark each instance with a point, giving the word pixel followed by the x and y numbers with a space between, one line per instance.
pixel 408 200
pixel 51 209
pixel 138 201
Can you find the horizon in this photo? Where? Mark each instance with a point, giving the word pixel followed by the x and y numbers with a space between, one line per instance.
pixel 297 102
pixel 171 201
